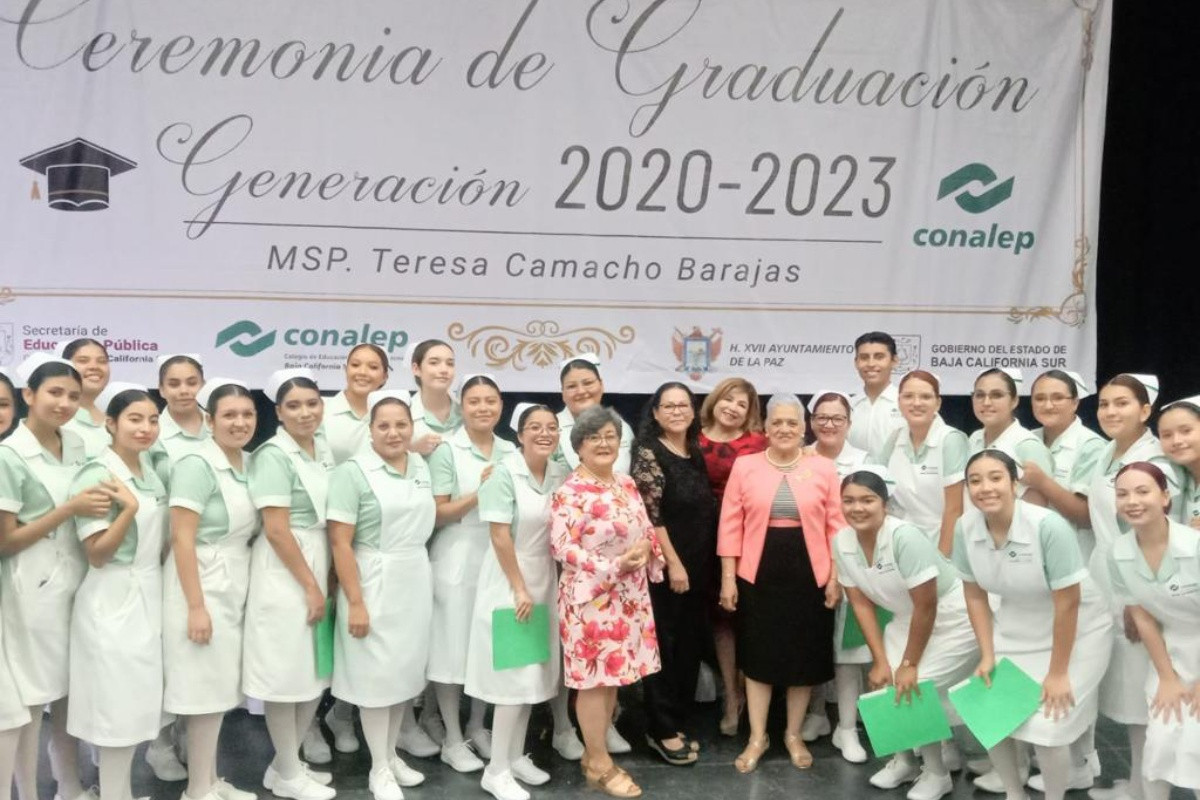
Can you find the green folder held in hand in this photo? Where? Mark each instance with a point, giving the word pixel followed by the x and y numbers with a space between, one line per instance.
pixel 323 641
pixel 907 726
pixel 519 644
pixel 852 635
pixel 993 714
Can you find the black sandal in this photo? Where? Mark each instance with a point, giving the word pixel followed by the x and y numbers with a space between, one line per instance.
pixel 681 756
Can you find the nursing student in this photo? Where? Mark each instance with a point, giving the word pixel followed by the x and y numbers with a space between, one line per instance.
pixel 884 562
pixel 829 420
pixel 876 412
pixel 994 400
pixel 1155 570
pixel 289 571
pixel 380 514
pixel 42 563
pixel 926 458
pixel 345 421
pixel 181 428
pixel 582 387
pixel 90 357
pixel 1124 409
pixel 1050 621
pixel 14 716
pixel 116 663
pixel 206 580
pixel 436 413
pixel 1179 434
pixel 459 466
pixel 518 574
pixel 8 405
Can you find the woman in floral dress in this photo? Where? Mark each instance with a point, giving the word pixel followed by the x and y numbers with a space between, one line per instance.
pixel 601 534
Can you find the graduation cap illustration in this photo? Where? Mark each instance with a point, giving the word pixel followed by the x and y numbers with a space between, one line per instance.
pixel 77 174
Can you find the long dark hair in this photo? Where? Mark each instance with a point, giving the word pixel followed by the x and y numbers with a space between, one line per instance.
pixel 649 430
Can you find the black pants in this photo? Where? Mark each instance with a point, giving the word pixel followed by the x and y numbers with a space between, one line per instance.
pixel 682 623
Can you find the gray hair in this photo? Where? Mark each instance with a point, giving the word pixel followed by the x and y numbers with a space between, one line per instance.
pixel 784 400
pixel 590 421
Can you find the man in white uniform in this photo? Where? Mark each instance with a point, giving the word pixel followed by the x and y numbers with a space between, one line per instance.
pixel 874 413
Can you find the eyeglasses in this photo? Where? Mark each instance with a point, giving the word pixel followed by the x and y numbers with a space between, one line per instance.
pixel 995 396
pixel 828 421
pixel 602 438
pixel 1052 399
pixel 674 408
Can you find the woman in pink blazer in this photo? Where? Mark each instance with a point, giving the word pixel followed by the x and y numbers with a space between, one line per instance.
pixel 780 511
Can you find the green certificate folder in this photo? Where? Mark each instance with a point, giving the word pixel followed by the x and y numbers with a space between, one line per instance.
pixel 892 728
pixel 323 641
pixel 992 714
pixel 519 644
pixel 852 635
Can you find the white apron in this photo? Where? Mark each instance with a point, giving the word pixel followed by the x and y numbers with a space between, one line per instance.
pixel 39 583
pixel 849 460
pixel 1121 697
pixel 456 554
pixel 206 678
pixel 387 666
pixel 13 713
pixel 1172 751
pixel 116 634
pixel 1024 622
pixel 535 683
pixel 280 664
pixel 919 496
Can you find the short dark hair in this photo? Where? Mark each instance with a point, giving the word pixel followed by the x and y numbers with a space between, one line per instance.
pixel 590 421
pixel 223 391
pixel 1004 376
pixel 876 337
pixel 389 401
pixel 52 369
pixel 999 455
pixel 123 400
pixel 299 382
pixel 78 344
pixel 175 361
pixel 867 480
pixel 1061 377
pixel 577 363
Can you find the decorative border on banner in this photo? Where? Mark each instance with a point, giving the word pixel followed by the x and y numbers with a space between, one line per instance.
pixel 6 295
pixel 543 342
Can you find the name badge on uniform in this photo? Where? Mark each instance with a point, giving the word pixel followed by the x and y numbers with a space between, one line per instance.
pixel 884 567
pixel 1178 588
pixel 930 469
pixel 1062 474
pixel 1018 557
pixel 421 483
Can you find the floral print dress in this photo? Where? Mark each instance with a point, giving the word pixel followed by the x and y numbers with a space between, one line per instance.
pixel 605 619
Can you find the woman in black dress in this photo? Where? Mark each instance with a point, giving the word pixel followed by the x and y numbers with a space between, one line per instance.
pixel 670 473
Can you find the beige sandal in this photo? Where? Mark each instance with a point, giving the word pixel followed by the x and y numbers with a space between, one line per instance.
pixel 797 751
pixel 611 782
pixel 748 761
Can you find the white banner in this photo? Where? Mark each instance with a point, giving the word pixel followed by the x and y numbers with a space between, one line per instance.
pixel 693 188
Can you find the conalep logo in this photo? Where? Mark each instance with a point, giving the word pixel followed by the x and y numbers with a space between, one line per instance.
pixel 959 186
pixel 246 338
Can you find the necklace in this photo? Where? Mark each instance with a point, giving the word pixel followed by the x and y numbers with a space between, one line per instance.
pixel 611 483
pixel 667 443
pixel 777 465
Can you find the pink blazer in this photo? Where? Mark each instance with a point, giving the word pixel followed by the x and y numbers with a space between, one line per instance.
pixel 747 508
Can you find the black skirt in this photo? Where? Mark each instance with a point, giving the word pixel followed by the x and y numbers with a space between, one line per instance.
pixel 784 631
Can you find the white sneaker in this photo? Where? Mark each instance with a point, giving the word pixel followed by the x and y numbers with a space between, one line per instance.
pixel 931 786
pixel 314 748
pixel 979 766
pixel 502 786
pixel 1118 791
pixel 567 745
pixel 345 740
pixel 271 776
pixel 846 740
pixel 895 773
pixel 383 786
pixel 1079 778
pixel 87 794
pixel 227 791
pixel 614 742
pixel 416 742
pixel 301 787
pixel 1093 762
pixel 405 775
pixel 164 763
pixel 814 727
pixel 951 756
pixel 524 770
pixel 431 721
pixel 481 741
pixel 990 782
pixel 461 758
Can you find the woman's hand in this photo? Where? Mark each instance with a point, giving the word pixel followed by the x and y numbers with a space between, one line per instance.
pixel 1057 697
pixel 1171 698
pixel 94 501
pixel 635 557
pixel 833 593
pixel 879 676
pixel 426 445
pixel 905 680
pixel 199 625
pixel 316 604
pixel 1033 476
pixel 729 594
pixel 984 670
pixel 358 621
pixel 119 493
pixel 523 603
pixel 487 473
pixel 677 575
pixel 1194 700
pixel 1131 631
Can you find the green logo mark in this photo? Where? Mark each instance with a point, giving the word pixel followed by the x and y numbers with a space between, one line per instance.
pixel 975 203
pixel 258 341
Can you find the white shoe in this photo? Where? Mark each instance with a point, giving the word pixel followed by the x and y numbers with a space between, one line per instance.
pixel 895 773
pixel 567 745
pixel 846 740
pixel 416 742
pixel 951 756
pixel 87 794
pixel 1118 791
pixel 301 787
pixel 431 721
pixel 814 727
pixel 979 766
pixel 405 775
pixel 345 740
pixel 227 791
pixel 271 776
pixel 502 786
pixel 524 770
pixel 383 786
pixel 931 786
pixel 1079 778
pixel 1093 762
pixel 614 742
pixel 461 758
pixel 481 741
pixel 314 748
pixel 164 763
pixel 990 782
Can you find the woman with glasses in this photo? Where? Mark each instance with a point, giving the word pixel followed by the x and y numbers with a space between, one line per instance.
pixel 994 401
pixel 670 474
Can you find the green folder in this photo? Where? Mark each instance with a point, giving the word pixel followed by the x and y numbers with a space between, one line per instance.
pixel 993 714
pixel 907 726
pixel 519 644
pixel 323 641
pixel 852 635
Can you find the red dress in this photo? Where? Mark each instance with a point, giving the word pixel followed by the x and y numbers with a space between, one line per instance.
pixel 604 615
pixel 719 457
